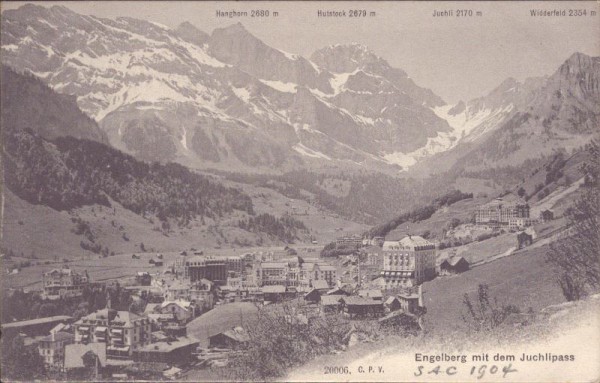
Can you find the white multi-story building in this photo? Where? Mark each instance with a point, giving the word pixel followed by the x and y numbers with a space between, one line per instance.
pixel 122 331
pixel 64 283
pixel 408 262
pixel 52 349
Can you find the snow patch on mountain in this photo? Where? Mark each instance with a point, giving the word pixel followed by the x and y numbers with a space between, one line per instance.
pixel 242 93
pixel 306 151
pixel 287 87
pixel 338 81
pixel 184 139
pixel 401 159
pixel 465 128
pixel 290 56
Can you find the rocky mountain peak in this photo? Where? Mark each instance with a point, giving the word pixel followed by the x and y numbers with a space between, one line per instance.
pixel 188 32
pixel 345 58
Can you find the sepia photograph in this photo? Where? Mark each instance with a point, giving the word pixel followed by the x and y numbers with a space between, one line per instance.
pixel 300 191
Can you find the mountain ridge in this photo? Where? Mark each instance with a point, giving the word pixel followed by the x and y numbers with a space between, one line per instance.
pixel 227 100
pixel 128 66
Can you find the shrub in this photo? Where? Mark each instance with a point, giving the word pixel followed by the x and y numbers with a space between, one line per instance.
pixel 486 313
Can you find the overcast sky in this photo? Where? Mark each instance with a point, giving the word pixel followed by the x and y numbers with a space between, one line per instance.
pixel 457 58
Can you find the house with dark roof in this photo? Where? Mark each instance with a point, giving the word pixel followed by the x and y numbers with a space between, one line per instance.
pixel 273 293
pixel 354 306
pixel 524 240
pixel 232 338
pixel 330 303
pixel 374 294
pixel 337 291
pixel 454 265
pixel 546 215
pixel 172 351
pixel 392 303
pixel 313 296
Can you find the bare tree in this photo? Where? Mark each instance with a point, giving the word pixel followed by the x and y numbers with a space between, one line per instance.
pixel 576 254
pixel 486 313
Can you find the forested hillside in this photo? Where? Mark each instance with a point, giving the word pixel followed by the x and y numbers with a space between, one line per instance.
pixel 45 165
pixel 28 103
pixel 360 196
pixel 70 173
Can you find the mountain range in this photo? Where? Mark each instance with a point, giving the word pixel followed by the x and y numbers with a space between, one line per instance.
pixel 227 100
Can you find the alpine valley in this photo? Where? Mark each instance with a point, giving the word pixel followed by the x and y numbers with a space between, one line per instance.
pixel 341 131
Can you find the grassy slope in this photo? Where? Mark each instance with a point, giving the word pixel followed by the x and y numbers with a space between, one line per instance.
pixel 561 329
pixel 523 279
pixel 47 233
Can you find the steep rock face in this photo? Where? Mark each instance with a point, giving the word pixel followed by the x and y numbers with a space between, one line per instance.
pixel 230 100
pixel 183 95
pixel 190 33
pixel 518 121
pixel 234 45
pixel 342 59
pixel 560 112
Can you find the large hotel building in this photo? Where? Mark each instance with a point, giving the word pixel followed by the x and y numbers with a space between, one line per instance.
pixel 408 262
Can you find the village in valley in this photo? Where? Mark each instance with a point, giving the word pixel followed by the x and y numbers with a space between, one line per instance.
pixel 191 310
pixel 215 191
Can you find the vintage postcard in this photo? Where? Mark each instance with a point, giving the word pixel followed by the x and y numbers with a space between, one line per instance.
pixel 360 191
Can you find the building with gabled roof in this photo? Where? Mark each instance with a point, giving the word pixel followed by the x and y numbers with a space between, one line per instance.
pixel 392 303
pixel 52 349
pixel 358 306
pixel 64 283
pixel 454 265
pixel 500 211
pixel 174 351
pixel 230 339
pixel 330 303
pixel 183 311
pixel 320 285
pixel 313 296
pixel 273 293
pixel 121 331
pixel 374 294
pixel 75 352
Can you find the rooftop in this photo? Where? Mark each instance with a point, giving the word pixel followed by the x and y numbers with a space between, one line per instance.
pixel 273 265
pixel 275 289
pixel 169 346
pixel 413 241
pixel 58 336
pixel 183 304
pixel 320 284
pixel 239 334
pixel 330 300
pixel 75 352
pixel 359 301
pixel 372 293
pixel 38 321
pixel 453 261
